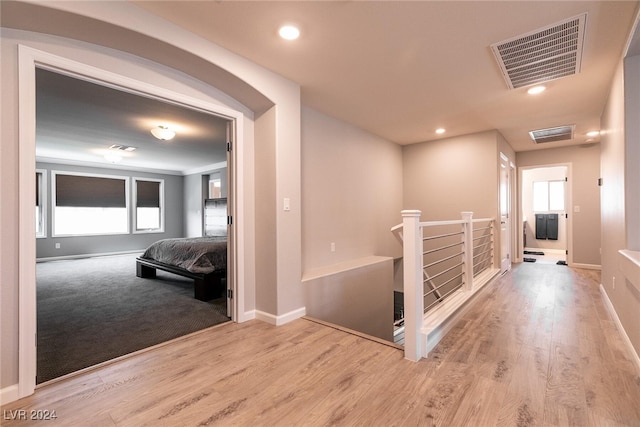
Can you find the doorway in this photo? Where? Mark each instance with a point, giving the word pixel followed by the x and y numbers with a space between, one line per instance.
pixel 31 60
pixel 544 212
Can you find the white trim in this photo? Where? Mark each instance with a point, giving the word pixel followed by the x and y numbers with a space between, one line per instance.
pixel 9 394
pixel 282 319
pixel 27 242
pixel 134 209
pixel 625 338
pixel 205 168
pixel 568 205
pixel 118 166
pixel 586 266
pixel 43 202
pixel 80 256
pixel 54 201
pixel 30 58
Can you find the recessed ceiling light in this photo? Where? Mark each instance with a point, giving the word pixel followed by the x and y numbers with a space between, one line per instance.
pixel 536 90
pixel 593 133
pixel 440 131
pixel 289 32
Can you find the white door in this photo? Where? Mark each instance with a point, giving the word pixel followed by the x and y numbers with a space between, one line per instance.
pixel 505 214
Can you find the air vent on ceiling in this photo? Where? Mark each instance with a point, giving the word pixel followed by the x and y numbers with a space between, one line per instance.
pixel 560 133
pixel 542 55
pixel 121 147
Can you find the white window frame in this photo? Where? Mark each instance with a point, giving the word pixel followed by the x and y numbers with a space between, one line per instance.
pixel 43 203
pixel 126 180
pixel 135 205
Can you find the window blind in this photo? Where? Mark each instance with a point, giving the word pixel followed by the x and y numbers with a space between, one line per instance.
pixel 38 179
pixel 147 194
pixel 90 191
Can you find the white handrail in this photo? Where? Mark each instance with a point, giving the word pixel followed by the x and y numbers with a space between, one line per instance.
pixel 410 234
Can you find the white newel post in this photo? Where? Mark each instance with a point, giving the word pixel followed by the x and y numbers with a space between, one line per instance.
pixel 413 285
pixel 467 237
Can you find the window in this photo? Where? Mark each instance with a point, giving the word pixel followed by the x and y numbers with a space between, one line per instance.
pixel 86 204
pixel 548 196
pixel 149 200
pixel 41 203
pixel 215 188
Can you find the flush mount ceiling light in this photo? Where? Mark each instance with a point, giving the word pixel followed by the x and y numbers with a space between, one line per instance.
pixel 536 90
pixel 163 133
pixel 289 32
pixel 440 131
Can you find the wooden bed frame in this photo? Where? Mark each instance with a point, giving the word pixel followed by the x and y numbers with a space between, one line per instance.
pixel 206 286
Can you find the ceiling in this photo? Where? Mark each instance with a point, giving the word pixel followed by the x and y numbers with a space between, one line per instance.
pixel 399 70
pixel 77 121
pixel 402 69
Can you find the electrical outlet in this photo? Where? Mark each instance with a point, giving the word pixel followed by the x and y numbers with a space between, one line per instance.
pixel 57 245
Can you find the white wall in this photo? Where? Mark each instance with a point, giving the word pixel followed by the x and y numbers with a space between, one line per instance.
pixel 445 177
pixel 585 193
pixel 614 156
pixel 352 184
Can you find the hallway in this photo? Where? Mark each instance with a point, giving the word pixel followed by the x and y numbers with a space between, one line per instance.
pixel 536 348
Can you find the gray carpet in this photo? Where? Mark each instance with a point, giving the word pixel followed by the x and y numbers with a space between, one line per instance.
pixel 95 309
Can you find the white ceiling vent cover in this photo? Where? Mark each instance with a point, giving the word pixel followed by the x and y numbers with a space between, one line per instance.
pixel 542 55
pixel 560 133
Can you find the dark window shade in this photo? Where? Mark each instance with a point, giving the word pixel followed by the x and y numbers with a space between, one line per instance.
pixel 90 192
pixel 38 179
pixel 147 194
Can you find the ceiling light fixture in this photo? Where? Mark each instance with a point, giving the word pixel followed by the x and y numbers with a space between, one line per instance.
pixel 289 32
pixel 440 131
pixel 536 90
pixel 163 133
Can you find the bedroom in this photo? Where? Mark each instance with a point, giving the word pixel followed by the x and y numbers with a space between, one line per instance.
pixel 106 190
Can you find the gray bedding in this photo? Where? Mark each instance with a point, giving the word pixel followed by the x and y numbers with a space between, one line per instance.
pixel 197 255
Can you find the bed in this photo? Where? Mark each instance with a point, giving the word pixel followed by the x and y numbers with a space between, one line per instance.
pixel 203 259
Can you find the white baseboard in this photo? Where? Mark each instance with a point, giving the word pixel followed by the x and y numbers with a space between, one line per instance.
pixel 623 333
pixel 64 257
pixel 586 266
pixel 9 394
pixel 282 319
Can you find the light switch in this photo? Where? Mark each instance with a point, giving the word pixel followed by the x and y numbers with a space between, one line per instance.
pixel 287 204
pixel 576 208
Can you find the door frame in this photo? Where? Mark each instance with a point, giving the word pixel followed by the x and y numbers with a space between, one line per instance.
pixel 568 208
pixel 28 60
pixel 506 165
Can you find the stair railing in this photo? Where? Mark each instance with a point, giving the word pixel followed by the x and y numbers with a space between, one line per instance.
pixel 450 268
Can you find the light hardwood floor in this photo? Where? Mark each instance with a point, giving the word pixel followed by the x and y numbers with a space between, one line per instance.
pixel 537 348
